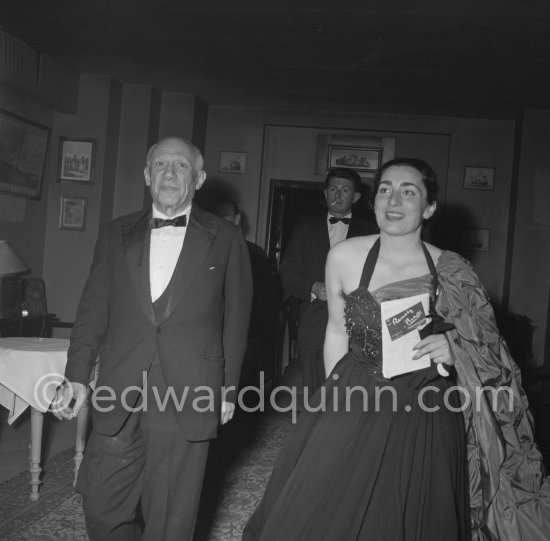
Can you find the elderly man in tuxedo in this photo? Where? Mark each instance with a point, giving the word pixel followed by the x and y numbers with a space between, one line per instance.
pixel 166 307
pixel 303 266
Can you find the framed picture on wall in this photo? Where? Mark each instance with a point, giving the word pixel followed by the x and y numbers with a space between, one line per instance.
pixel 23 151
pixel 476 240
pixel 479 178
pixel 358 158
pixel 72 213
pixel 232 162
pixel 76 160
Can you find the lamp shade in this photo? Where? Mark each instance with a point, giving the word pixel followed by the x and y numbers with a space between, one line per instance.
pixel 10 262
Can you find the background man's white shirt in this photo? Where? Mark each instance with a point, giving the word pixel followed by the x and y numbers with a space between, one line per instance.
pixel 337 232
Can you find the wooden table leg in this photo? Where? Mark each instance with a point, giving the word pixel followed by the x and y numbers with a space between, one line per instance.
pixel 81 429
pixel 37 421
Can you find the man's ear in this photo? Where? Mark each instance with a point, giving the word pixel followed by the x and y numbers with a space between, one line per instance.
pixel 147 176
pixel 201 177
pixel 356 197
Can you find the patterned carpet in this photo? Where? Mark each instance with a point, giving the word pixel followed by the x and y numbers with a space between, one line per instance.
pixel 239 466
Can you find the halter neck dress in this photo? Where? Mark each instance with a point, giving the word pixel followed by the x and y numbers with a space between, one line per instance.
pixel 371 464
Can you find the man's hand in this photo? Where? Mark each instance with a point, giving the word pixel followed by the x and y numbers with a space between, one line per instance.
pixel 319 290
pixel 65 394
pixel 228 410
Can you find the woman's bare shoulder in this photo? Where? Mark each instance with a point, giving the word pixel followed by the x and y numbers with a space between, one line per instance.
pixel 434 251
pixel 350 249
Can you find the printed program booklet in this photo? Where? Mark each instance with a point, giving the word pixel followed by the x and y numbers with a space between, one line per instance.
pixel 401 319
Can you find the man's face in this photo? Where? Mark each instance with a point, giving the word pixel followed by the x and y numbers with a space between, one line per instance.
pixel 172 175
pixel 340 195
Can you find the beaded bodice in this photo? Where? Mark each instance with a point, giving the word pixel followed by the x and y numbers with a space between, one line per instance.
pixel 362 308
pixel 362 313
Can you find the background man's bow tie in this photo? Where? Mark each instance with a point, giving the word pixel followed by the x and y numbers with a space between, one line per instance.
pixel 180 221
pixel 334 219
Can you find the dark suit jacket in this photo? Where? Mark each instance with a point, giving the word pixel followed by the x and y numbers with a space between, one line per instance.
pixel 303 264
pixel 200 338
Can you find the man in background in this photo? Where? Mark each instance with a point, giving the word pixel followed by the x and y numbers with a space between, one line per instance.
pixel 303 266
pixel 263 328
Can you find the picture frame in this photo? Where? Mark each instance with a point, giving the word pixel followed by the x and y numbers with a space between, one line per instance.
pixel 76 160
pixel 72 213
pixel 23 152
pixel 475 240
pixel 232 162
pixel 325 140
pixel 479 178
pixel 362 159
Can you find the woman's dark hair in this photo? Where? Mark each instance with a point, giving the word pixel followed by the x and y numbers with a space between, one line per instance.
pixel 344 172
pixel 429 178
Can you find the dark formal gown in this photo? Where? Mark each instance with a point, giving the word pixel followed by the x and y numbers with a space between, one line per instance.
pixel 392 472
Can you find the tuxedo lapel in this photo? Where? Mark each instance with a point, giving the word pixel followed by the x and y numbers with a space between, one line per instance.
pixel 200 234
pixel 359 227
pixel 353 230
pixel 136 239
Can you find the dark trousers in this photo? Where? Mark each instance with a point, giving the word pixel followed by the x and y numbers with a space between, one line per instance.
pixel 147 461
pixel 313 368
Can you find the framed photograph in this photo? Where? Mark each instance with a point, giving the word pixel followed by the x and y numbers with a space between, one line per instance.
pixel 23 151
pixel 72 213
pixel 479 178
pixel 232 162
pixel 358 158
pixel 475 239
pixel 76 160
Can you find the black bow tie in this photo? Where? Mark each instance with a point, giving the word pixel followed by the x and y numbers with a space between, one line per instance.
pixel 180 221
pixel 334 219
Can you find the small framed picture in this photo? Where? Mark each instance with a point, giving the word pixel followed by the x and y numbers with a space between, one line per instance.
pixel 358 158
pixel 76 160
pixel 72 213
pixel 475 239
pixel 479 178
pixel 232 162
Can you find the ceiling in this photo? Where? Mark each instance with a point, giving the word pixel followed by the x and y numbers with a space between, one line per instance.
pixel 481 58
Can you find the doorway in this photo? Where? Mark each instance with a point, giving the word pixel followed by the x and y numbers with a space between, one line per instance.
pixel 292 202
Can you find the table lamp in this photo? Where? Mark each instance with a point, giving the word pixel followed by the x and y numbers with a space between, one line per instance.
pixel 11 284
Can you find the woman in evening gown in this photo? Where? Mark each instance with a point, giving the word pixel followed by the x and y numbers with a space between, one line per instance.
pixel 407 458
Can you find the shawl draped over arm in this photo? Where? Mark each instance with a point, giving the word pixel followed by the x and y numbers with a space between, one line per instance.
pixel 509 489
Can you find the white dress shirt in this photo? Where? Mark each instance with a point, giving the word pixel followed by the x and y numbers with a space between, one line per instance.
pixel 337 232
pixel 166 244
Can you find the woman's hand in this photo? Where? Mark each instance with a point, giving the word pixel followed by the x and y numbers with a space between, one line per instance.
pixel 437 347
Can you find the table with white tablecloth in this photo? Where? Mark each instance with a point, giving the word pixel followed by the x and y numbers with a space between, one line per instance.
pixel 30 371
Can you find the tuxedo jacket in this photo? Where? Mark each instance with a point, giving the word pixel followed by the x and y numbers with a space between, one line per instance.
pixel 199 336
pixel 303 264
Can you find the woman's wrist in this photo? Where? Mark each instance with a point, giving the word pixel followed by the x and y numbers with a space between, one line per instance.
pixel 444 369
